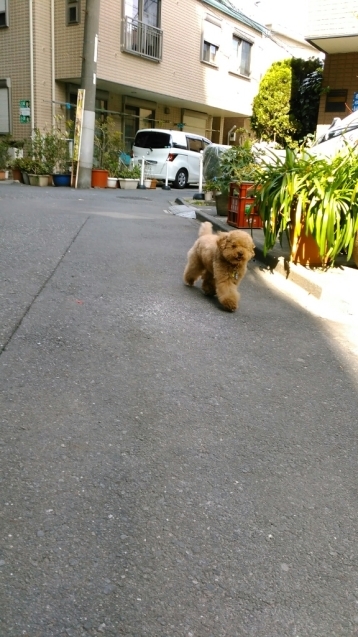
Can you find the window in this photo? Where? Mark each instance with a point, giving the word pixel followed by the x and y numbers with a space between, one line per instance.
pixel 137 118
pixel 211 40
pixel 73 11
pixel 4 13
pixel 209 52
pixel 146 11
pixel 195 144
pixel 336 100
pixel 5 127
pixel 241 55
pixel 141 33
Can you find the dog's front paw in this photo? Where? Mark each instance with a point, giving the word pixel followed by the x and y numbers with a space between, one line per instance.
pixel 229 299
pixel 230 305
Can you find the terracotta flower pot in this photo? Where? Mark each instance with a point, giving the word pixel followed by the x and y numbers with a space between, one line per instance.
pixel 17 175
pixel 304 249
pixel 99 178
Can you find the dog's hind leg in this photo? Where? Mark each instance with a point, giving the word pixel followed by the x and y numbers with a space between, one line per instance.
pixel 194 268
pixel 208 285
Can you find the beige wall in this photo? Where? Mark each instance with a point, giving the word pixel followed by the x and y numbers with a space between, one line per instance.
pixel 181 74
pixel 15 62
pixel 68 42
pixel 42 64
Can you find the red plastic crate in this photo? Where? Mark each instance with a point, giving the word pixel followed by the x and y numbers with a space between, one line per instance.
pixel 239 205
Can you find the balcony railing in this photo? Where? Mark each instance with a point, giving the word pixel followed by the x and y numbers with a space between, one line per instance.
pixel 142 39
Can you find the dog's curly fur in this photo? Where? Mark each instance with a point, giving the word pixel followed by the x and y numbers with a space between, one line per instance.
pixel 221 261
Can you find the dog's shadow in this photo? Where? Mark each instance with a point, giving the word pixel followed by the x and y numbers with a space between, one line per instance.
pixel 206 298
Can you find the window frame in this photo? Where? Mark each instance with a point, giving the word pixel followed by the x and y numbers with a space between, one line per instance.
pixel 5 84
pixel 207 46
pixel 210 41
pixel 240 67
pixel 140 14
pixel 336 107
pixel 71 4
pixel 5 13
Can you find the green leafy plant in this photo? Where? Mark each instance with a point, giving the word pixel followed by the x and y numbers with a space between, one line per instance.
pixel 211 185
pixel 236 164
pixel 49 150
pixel 319 193
pixel 4 153
pixel 286 106
pixel 23 163
pixel 129 172
pixel 108 145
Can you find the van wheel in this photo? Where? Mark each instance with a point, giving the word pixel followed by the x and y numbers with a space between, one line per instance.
pixel 181 178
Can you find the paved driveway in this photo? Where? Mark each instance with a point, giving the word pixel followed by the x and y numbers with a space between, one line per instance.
pixel 168 469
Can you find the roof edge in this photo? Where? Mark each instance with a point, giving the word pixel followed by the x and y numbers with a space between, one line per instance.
pixel 225 6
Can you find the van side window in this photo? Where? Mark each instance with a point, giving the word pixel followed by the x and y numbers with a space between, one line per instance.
pixel 152 139
pixel 176 145
pixel 195 144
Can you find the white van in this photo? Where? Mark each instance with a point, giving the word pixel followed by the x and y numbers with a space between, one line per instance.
pixel 178 150
pixel 341 134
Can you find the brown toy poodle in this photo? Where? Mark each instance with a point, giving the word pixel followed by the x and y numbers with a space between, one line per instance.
pixel 221 261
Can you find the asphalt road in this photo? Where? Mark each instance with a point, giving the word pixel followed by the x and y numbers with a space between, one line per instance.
pixel 168 469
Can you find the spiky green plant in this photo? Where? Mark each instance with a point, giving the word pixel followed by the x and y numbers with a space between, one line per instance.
pixel 321 193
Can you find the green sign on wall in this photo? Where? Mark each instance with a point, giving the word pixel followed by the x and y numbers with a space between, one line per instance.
pixel 25 111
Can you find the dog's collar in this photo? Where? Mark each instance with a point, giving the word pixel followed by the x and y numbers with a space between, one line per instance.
pixel 235 274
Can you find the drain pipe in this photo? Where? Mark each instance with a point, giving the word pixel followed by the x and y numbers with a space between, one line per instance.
pixel 32 105
pixel 53 62
pixel 229 133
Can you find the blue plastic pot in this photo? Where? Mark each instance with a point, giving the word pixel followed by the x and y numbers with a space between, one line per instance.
pixel 61 180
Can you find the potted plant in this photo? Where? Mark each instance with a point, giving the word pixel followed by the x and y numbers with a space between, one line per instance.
pixel 107 150
pixel 236 165
pixel 37 172
pixel 56 155
pixel 16 165
pixel 314 200
pixel 129 176
pixel 25 165
pixel 210 187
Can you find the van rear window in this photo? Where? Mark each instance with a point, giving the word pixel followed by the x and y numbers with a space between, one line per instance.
pixel 151 139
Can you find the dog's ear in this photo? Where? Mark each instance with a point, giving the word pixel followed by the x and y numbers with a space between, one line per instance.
pixel 222 238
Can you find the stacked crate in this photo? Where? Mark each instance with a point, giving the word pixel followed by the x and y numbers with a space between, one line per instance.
pixel 241 211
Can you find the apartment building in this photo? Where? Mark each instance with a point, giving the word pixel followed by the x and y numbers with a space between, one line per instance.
pixel 190 64
pixel 333 29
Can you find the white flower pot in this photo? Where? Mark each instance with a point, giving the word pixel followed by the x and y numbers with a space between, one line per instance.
pixel 128 184
pixel 147 183
pixel 112 182
pixel 208 195
pixel 38 180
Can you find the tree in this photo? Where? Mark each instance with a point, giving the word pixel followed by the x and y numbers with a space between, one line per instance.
pixel 286 107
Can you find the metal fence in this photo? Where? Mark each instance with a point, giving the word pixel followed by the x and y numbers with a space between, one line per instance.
pixel 141 39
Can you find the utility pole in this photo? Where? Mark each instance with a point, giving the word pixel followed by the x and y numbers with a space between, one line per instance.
pixel 89 82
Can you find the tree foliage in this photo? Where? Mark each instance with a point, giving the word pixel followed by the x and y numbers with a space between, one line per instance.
pixel 286 107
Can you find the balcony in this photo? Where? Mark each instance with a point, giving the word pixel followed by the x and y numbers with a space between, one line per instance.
pixel 142 40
